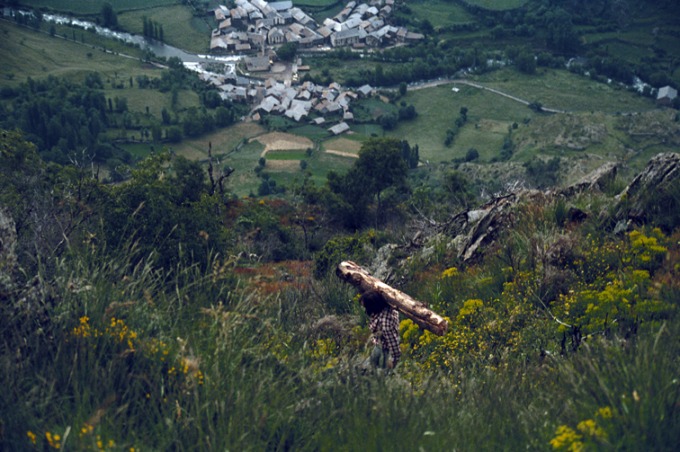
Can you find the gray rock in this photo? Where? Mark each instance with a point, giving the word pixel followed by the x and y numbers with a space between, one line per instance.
pixel 661 173
pixel 8 242
pixel 596 180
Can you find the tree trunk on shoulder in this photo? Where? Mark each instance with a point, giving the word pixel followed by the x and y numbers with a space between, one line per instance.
pixel 415 310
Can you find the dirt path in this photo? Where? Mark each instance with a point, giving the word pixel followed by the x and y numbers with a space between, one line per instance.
pixel 343 154
pixel 478 86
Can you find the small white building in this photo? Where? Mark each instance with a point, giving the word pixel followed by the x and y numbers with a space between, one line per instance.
pixel 666 95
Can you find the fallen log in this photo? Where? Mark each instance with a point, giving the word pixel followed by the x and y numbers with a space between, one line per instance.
pixel 413 309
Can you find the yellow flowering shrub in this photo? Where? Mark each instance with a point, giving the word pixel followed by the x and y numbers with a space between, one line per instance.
pixel 619 293
pixel 324 353
pixel 647 251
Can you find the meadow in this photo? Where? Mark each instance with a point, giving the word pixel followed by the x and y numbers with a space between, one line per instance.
pixel 563 336
pixel 497 5
pixel 180 27
pixel 489 116
pixel 562 90
pixel 26 53
pixel 440 13
pixel 91 7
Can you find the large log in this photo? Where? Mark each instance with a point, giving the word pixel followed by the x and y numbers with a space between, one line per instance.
pixel 413 309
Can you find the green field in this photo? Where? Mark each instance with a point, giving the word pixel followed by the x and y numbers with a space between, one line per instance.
pixel 180 27
pixel 286 155
pixel 314 133
pixel 80 7
pixel 224 144
pixel 497 5
pixel 140 99
pixel 489 116
pixel 563 90
pixel 315 3
pixel 324 162
pixel 26 53
pixel 440 13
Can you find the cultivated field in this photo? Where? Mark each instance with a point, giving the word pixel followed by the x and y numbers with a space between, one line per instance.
pixel 347 146
pixel 278 141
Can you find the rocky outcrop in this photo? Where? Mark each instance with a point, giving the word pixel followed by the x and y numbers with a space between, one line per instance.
pixel 647 190
pixel 8 241
pixel 596 180
pixel 477 228
pixel 470 233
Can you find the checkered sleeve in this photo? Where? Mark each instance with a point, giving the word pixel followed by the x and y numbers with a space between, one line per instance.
pixel 389 326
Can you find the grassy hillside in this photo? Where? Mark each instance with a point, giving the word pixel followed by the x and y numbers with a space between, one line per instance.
pixel 440 13
pixel 564 335
pixel 489 116
pixel 563 90
pixel 26 53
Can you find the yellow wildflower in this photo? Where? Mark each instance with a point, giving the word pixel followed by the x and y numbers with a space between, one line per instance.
pixel 589 427
pixel 605 412
pixel 566 438
pixel 31 436
pixel 450 272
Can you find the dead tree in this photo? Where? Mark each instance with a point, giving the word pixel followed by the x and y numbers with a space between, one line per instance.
pixel 225 173
pixel 413 309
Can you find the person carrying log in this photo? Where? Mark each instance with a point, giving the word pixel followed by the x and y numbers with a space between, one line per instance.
pixel 418 312
pixel 384 326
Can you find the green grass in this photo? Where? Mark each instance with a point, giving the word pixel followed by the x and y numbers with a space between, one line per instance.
pixel 497 5
pixel 367 130
pixel 286 155
pixel 180 27
pixel 322 163
pixel 91 39
pixel 440 13
pixel 314 3
pixel 80 7
pixel 314 133
pixel 27 53
pixel 134 357
pixel 141 150
pixel 139 99
pixel 438 109
pixel 244 180
pixel 566 91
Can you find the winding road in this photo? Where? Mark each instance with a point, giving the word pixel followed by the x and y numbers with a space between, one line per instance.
pixel 478 86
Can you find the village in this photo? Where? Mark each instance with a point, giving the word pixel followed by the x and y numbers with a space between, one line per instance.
pixel 256 28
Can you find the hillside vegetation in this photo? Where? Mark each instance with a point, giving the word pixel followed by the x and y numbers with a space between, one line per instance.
pixel 161 314
pixel 167 270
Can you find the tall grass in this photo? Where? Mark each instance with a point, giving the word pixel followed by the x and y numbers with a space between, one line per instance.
pixel 110 352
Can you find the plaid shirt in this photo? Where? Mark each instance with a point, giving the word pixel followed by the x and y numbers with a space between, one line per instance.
pixel 385 328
